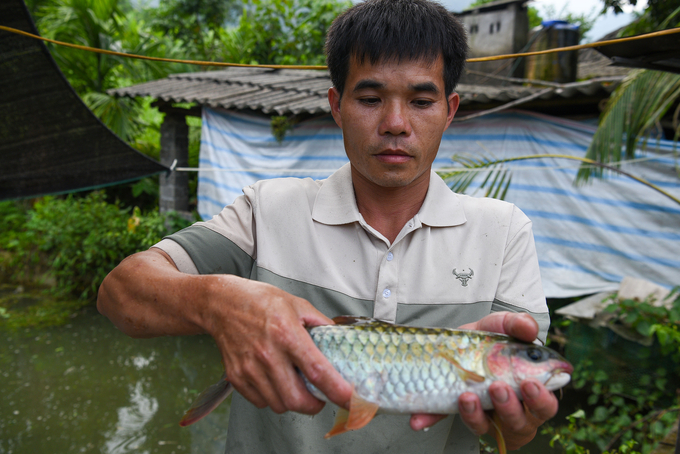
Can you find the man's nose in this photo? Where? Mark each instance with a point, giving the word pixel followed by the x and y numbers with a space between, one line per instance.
pixel 395 120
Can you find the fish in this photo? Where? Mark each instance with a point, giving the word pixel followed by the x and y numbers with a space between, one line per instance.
pixel 399 369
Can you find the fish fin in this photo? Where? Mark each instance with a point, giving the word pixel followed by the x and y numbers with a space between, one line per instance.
pixel 354 320
pixel 467 374
pixel 340 422
pixel 497 434
pixel 207 401
pixel 360 413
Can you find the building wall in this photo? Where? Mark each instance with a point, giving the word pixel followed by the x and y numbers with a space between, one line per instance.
pixel 496 32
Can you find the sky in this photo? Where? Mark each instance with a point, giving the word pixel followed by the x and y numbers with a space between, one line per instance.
pixel 603 25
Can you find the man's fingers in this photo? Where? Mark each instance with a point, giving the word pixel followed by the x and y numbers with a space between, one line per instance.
pixel 519 325
pixel 319 371
pixel 293 393
pixel 540 402
pixel 424 420
pixel 472 414
pixel 507 406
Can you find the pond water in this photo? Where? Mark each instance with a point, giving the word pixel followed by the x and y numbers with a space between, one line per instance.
pixel 86 387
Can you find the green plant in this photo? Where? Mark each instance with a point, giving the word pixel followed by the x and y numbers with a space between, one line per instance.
pixel 77 240
pixel 622 416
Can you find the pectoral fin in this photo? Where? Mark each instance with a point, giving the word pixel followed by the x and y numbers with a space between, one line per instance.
pixel 207 401
pixel 497 434
pixel 360 413
pixel 466 374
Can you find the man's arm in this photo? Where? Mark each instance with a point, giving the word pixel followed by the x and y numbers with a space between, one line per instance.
pixel 519 422
pixel 259 329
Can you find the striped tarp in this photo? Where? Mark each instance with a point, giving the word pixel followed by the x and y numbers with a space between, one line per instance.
pixel 588 238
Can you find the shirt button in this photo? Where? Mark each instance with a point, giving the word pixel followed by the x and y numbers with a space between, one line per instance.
pixel 386 293
pixel 410 225
pixel 390 256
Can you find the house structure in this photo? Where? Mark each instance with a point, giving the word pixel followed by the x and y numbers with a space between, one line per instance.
pixel 588 238
pixel 496 28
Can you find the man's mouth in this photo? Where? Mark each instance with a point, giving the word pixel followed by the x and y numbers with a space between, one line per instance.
pixel 393 157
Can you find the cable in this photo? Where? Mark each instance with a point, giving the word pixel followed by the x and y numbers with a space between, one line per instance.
pixel 319 67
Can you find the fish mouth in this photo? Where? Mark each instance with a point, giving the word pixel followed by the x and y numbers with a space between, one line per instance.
pixel 557 381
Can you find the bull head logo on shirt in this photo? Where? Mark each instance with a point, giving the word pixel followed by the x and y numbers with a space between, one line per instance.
pixel 464 277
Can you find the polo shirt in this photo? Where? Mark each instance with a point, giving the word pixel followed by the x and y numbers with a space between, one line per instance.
pixel 458 259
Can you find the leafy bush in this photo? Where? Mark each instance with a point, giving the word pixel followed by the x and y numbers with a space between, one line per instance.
pixel 76 241
pixel 618 417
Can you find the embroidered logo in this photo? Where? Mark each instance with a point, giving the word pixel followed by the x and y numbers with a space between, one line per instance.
pixel 464 277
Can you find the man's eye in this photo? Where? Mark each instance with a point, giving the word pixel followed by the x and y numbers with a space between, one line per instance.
pixel 423 102
pixel 370 101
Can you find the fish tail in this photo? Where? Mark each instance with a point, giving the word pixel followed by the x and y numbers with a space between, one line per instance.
pixel 207 401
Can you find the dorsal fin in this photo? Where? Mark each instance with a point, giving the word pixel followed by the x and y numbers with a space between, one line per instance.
pixel 355 320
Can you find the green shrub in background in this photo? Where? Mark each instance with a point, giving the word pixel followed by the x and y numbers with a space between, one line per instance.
pixel 73 242
pixel 625 419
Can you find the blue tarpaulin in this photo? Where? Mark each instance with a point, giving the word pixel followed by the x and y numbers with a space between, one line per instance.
pixel 588 238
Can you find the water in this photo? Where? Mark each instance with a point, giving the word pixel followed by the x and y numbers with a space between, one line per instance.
pixel 87 388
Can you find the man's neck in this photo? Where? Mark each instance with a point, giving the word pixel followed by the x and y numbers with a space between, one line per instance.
pixel 388 209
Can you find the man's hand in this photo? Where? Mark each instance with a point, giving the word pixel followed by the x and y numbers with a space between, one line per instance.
pixel 261 334
pixel 519 422
pixel 259 329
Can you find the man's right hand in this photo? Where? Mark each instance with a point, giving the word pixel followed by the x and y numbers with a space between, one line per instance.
pixel 263 339
pixel 259 329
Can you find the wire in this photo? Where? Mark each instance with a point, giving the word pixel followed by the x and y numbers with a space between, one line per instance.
pixel 319 67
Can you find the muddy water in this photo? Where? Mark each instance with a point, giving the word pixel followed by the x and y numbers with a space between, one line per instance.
pixel 87 388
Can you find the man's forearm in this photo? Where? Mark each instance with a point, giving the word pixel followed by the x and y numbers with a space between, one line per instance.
pixel 146 296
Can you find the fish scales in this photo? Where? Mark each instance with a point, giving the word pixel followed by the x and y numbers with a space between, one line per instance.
pixel 401 369
pixel 414 370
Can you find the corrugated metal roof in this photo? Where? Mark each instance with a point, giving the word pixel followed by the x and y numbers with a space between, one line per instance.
pixel 295 92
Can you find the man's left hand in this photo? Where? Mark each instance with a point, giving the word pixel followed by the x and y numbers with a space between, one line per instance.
pixel 518 422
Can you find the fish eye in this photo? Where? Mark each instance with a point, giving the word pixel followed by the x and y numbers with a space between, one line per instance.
pixel 534 354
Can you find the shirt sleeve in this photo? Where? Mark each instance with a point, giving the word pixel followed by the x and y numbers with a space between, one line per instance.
pixel 223 245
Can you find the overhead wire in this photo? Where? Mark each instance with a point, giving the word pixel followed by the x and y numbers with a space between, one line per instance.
pixel 321 67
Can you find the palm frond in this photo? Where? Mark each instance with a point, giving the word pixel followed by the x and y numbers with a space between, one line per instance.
pixel 633 109
pixel 497 178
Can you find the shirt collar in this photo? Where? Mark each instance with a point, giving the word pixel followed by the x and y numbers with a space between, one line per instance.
pixel 335 203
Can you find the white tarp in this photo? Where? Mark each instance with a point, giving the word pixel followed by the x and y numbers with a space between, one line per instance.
pixel 588 238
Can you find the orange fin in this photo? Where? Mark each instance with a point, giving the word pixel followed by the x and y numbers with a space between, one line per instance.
pixel 360 413
pixel 207 401
pixel 497 434
pixel 340 422
pixel 467 374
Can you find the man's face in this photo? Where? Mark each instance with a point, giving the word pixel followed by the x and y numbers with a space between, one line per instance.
pixel 392 117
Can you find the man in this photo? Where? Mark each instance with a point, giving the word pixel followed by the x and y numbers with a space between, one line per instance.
pixel 382 237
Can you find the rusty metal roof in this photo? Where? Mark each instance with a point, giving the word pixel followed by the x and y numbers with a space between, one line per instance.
pixel 296 92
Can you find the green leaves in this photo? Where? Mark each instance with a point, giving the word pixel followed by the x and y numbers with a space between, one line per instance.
pixel 78 240
pixel 633 109
pixel 497 178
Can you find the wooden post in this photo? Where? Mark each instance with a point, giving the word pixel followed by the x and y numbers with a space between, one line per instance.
pixel 174 187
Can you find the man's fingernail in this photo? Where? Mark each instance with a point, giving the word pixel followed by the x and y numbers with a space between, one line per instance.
pixel 500 395
pixel 531 390
pixel 468 407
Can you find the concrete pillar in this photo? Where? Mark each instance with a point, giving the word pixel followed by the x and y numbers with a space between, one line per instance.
pixel 174 187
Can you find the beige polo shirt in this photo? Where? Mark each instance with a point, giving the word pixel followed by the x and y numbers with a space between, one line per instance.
pixel 458 259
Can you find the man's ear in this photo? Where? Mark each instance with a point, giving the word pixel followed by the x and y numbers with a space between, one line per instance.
pixel 334 101
pixel 454 102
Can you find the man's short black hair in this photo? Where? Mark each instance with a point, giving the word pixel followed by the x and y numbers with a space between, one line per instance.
pixel 396 30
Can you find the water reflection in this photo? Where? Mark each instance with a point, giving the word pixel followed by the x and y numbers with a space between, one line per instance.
pixel 86 387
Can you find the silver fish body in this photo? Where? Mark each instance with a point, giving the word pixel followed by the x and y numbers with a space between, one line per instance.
pixel 424 370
